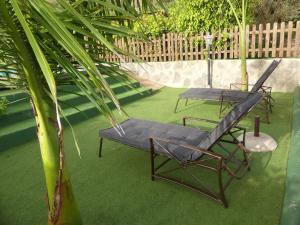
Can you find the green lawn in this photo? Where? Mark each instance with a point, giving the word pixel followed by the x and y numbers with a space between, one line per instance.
pixel 117 189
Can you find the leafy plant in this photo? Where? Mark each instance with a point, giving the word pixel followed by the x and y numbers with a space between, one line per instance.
pixel 242 42
pixel 3 105
pixel 199 15
pixel 152 25
pixel 270 11
pixel 45 42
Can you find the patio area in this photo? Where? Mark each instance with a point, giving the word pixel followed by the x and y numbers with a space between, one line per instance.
pixel 117 189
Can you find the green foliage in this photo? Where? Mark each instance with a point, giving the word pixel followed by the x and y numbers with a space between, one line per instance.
pixel 3 105
pixel 270 11
pixel 200 15
pixel 193 16
pixel 152 25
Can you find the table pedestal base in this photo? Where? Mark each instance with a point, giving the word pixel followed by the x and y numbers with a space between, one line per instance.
pixel 262 143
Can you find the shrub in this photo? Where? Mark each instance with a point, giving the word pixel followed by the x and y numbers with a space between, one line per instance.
pixel 151 25
pixel 3 105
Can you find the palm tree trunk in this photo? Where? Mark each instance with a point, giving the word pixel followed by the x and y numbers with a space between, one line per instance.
pixel 243 48
pixel 243 56
pixel 62 207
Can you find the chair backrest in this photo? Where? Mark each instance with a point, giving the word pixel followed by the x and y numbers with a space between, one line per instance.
pixel 230 120
pixel 259 83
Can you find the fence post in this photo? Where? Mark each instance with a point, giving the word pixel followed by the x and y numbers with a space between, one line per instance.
pixel 267 40
pixel 231 55
pixel 297 47
pixel 253 41
pixel 191 49
pixel 176 46
pixel 274 41
pixel 289 39
pixel 164 48
pixel 247 41
pixel 260 34
pixel 225 45
pixel 236 42
pixel 169 47
pixel 180 46
pixel 281 45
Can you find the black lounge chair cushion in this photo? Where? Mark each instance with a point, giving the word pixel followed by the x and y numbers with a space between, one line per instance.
pixel 231 119
pixel 228 94
pixel 137 134
pixel 214 94
pixel 259 83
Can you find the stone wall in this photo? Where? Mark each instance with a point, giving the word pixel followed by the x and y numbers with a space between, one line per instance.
pixel 194 73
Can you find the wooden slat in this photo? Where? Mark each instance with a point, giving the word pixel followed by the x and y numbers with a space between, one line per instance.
pixel 164 47
pixel 236 42
pixel 142 55
pixel 129 59
pixel 133 42
pixel 219 49
pixel 146 51
pixel 281 45
pixel 154 49
pixel 191 49
pixel 267 40
pixel 180 47
pixel 260 41
pixel 159 49
pixel 231 55
pixel 138 46
pixel 186 48
pixel 289 39
pixel 122 46
pixel 176 46
pixel 172 47
pixel 169 46
pixel 247 41
pixel 225 46
pixel 196 47
pixel 202 45
pixel 274 41
pixel 297 42
pixel 253 41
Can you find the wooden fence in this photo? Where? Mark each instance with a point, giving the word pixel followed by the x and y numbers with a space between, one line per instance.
pixel 262 41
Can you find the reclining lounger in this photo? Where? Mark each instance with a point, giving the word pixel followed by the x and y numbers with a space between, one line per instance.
pixel 233 96
pixel 190 146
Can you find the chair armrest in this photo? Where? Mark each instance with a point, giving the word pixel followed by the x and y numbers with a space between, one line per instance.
pixel 238 85
pixel 198 119
pixel 240 128
pixel 266 89
pixel 204 151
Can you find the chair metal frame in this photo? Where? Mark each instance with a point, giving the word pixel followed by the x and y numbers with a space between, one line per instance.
pixel 221 166
pixel 267 103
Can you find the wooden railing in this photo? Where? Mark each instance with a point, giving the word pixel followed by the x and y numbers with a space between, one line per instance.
pixel 263 41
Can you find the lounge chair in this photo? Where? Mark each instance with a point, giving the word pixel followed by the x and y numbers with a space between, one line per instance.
pixel 191 147
pixel 232 96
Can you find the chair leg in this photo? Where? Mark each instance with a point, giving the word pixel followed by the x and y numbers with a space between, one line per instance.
pixel 176 105
pixel 100 147
pixel 267 110
pixel 221 108
pixel 152 159
pixel 221 187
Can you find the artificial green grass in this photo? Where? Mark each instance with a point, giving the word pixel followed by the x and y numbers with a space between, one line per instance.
pixel 290 209
pixel 116 189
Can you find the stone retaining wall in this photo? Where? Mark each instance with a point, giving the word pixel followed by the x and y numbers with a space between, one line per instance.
pixel 194 73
